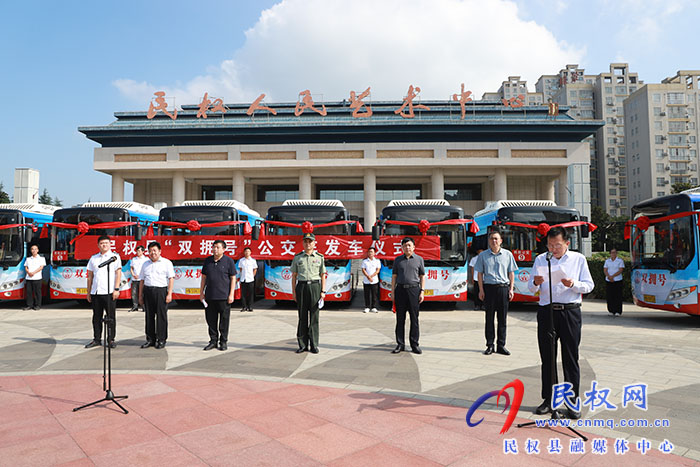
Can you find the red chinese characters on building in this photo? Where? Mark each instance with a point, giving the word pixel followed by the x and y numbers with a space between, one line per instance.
pixel 218 106
pixel 161 105
pixel 463 97
pixel 306 102
pixel 256 105
pixel 514 102
pixel 356 105
pixel 408 101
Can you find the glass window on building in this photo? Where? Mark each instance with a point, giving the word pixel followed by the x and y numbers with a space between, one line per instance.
pixel 693 154
pixel 620 90
pixel 611 181
pixel 622 150
pixel 613 212
pixel 623 191
pixel 691 139
pixel 341 192
pixel 659 153
pixel 677 140
pixel 675 98
pixel 277 193
pixel 657 111
pixel 691 125
pixel 660 193
pixel 463 192
pixel 611 130
pixel 216 192
pixel 660 181
pixel 659 167
pixel 658 125
pixel 658 139
pixel 632 89
pixel 691 112
pixel 676 126
pixel 611 140
pixel 608 89
pixel 611 171
pixel 609 101
pixel 586 114
pixel 656 97
pixel 389 192
pixel 612 192
pixel 572 93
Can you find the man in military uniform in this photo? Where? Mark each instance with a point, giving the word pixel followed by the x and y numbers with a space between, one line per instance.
pixel 308 287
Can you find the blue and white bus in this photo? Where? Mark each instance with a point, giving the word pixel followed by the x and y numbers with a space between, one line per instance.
pixel 446 278
pixel 17 223
pixel 339 277
pixel 125 222
pixel 518 222
pixel 664 244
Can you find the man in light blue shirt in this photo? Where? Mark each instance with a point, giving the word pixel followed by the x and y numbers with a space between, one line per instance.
pixel 496 268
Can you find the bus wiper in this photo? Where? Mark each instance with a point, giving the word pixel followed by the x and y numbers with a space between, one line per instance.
pixel 447 263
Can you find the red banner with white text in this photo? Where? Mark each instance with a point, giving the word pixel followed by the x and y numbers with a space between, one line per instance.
pixel 270 247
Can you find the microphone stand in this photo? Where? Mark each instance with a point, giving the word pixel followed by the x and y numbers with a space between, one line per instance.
pixel 552 334
pixel 107 350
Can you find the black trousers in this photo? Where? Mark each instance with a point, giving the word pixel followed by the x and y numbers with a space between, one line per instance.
pixel 156 313
pixel 247 295
pixel 308 296
pixel 613 295
pixel 218 315
pixel 32 292
pixel 101 304
pixel 496 303
pixel 477 300
pixel 135 293
pixel 407 300
pixel 567 324
pixel 371 295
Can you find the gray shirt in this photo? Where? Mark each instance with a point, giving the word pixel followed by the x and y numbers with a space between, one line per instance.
pixel 408 270
pixel 495 267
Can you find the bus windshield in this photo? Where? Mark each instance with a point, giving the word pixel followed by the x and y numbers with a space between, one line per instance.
pixel 11 240
pixel 312 214
pixel 665 245
pixel 203 215
pixel 62 241
pixel 524 238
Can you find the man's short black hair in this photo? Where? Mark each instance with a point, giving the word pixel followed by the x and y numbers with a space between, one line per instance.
pixel 103 237
pixel 154 244
pixel 406 240
pixel 494 232
pixel 247 248
pixel 556 231
pixel 140 247
pixel 371 248
pixel 220 242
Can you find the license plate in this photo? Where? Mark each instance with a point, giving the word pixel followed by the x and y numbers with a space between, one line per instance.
pixel 81 291
pixel 650 298
pixel 427 292
pixel 192 291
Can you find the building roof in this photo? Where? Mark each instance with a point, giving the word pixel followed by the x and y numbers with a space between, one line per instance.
pixel 484 121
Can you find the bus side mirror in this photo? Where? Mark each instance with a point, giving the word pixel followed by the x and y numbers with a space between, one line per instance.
pixel 255 234
pixel 28 234
pixel 585 233
pixel 137 232
pixel 376 231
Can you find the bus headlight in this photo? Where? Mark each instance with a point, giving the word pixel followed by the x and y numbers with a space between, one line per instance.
pixel 339 286
pixel 385 285
pixel 680 293
pixel 272 285
pixel 9 285
pixel 55 285
pixel 459 286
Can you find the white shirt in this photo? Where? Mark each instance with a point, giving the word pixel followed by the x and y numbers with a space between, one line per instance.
pixel 613 267
pixel 137 265
pixel 157 274
pixel 472 263
pixel 100 283
pixel 246 268
pixel 574 266
pixel 370 266
pixel 32 264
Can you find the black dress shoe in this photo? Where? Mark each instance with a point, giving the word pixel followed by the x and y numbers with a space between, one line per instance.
pixel 417 350
pixel 92 343
pixel 160 345
pixel 544 407
pixel 112 345
pixel 399 348
pixel 314 350
pixel 243 310
pixel 300 350
pixel 489 350
pixel 568 412
pixel 502 351
pixel 210 345
pixel 148 344
pixel 223 346
pixel 250 310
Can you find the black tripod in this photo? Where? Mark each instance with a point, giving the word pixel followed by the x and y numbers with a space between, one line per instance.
pixel 107 352
pixel 552 333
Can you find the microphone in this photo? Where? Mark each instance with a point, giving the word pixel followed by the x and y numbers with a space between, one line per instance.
pixel 109 261
pixel 549 255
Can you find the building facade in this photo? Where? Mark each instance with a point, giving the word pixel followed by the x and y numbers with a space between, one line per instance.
pixel 485 151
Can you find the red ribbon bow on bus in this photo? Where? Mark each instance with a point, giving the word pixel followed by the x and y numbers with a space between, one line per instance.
pixel 424 225
pixel 83 227
pixel 194 225
pixel 308 227
pixel 544 228
pixel 10 226
pixel 643 222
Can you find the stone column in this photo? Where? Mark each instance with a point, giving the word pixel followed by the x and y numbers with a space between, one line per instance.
pixel 437 181
pixel 563 188
pixel 140 191
pixel 304 184
pixel 549 189
pixel 370 199
pixel 238 183
pixel 178 188
pixel 117 187
pixel 500 185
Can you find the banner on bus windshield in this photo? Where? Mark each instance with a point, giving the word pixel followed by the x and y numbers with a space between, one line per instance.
pixel 270 247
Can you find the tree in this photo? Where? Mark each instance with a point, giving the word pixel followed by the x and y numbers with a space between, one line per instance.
pixel 680 186
pixel 610 232
pixel 45 198
pixel 4 197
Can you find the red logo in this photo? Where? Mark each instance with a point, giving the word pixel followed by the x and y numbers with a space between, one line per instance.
pixel 67 273
pixel 178 273
pixel 524 276
pixel 518 390
pixel 286 274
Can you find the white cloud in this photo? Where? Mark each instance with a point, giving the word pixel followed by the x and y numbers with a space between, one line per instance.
pixel 334 46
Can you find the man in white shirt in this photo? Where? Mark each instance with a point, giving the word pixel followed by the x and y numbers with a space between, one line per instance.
pixel 137 263
pixel 566 308
pixel 156 291
pixel 32 286
pixel 103 290
pixel 248 268
pixel 613 268
pixel 370 280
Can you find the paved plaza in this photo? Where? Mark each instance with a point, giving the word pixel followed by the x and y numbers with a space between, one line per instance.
pixel 353 403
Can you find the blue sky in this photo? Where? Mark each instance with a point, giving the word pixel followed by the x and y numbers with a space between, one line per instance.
pixel 68 64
